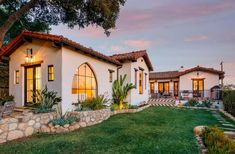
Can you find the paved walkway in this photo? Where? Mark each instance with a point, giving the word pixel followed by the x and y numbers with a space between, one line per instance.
pixel 228 127
pixel 162 102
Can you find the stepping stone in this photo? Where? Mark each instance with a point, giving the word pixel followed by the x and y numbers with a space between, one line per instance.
pixel 231 125
pixel 230 134
pixel 223 122
pixel 227 129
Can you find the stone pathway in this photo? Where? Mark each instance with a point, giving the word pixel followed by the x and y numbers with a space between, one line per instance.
pixel 229 128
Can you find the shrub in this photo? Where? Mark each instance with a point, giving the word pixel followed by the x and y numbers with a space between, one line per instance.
pixel 217 142
pixel 114 107
pixel 64 120
pixel 207 103
pixel 228 97
pixel 191 102
pixel 5 99
pixel 95 103
pixel 44 100
pixel 125 105
pixel 133 107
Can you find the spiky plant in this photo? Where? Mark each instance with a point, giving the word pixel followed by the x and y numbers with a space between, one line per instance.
pixel 120 90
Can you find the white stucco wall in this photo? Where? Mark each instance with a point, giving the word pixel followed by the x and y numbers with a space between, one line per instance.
pixel 128 68
pixel 71 60
pixel 41 51
pixel 210 80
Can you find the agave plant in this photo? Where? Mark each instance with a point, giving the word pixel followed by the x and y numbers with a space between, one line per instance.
pixel 45 99
pixel 120 91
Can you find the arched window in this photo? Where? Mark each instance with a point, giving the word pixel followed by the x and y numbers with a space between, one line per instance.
pixel 84 83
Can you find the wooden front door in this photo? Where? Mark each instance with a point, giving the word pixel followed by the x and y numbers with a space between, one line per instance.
pixel 32 82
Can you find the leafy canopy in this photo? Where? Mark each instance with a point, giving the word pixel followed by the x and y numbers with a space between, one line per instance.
pixel 44 13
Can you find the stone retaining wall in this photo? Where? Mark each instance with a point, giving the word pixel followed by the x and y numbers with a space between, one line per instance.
pixel 88 118
pixel 26 125
pixel 23 126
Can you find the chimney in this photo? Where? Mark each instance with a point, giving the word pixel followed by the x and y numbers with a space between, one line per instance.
pixel 181 69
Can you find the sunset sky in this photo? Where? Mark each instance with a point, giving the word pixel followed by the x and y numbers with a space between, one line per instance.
pixel 174 32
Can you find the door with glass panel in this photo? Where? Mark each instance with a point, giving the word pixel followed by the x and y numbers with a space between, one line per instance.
pixel 198 87
pixel 32 83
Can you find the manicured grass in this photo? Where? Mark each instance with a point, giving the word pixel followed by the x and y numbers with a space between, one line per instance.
pixel 154 130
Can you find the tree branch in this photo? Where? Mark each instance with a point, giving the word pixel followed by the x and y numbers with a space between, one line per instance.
pixel 14 17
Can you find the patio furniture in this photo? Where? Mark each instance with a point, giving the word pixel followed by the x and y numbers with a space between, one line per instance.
pixel 7 109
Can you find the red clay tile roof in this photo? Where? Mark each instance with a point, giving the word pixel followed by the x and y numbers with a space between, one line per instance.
pixel 176 74
pixel 164 75
pixel 20 39
pixel 133 56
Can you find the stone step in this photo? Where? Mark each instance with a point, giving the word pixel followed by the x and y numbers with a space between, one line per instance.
pixel 230 134
pixel 230 125
pixel 227 129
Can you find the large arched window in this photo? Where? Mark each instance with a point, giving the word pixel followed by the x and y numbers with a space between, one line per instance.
pixel 84 83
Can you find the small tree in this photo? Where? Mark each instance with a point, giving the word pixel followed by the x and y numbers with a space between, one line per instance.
pixel 120 91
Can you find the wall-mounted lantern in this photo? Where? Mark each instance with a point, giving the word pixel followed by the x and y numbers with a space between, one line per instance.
pixel 29 55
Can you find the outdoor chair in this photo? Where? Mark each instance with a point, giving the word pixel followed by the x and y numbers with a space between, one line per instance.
pixel 7 109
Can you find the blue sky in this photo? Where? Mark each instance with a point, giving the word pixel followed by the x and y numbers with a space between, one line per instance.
pixel 174 32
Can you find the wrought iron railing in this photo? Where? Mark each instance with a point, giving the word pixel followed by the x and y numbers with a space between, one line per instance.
pixel 215 94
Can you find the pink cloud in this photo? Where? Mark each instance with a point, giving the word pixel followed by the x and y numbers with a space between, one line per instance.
pixel 142 19
pixel 140 44
pixel 196 38
pixel 116 48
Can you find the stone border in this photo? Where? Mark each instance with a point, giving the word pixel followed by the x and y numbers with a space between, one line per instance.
pixel 29 123
pixel 227 114
pixel 198 132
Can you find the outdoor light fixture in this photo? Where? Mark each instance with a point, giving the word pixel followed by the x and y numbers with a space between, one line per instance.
pixel 29 55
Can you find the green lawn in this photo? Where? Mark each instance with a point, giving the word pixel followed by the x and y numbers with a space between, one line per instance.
pixel 154 130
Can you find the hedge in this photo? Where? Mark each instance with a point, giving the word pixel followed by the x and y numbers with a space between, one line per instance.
pixel 229 101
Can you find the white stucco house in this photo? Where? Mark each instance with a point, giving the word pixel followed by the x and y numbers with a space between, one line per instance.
pixel 199 82
pixel 75 72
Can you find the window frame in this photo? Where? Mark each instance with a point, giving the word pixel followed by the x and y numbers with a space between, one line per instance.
pixel 77 79
pixel 49 74
pixel 111 75
pixel 17 77
pixel 136 77
pixel 145 80
pixel 141 82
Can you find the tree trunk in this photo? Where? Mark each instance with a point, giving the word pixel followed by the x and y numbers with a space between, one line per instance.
pixel 14 17
pixel 2 1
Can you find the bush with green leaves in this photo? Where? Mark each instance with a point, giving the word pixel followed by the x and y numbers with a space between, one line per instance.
pixel 114 107
pixel 192 102
pixel 133 107
pixel 216 142
pixel 44 100
pixel 228 97
pixel 95 103
pixel 6 98
pixel 63 120
pixel 207 103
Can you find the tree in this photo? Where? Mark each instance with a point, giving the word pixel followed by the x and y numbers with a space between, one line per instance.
pixel 22 24
pixel 120 91
pixel 82 13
